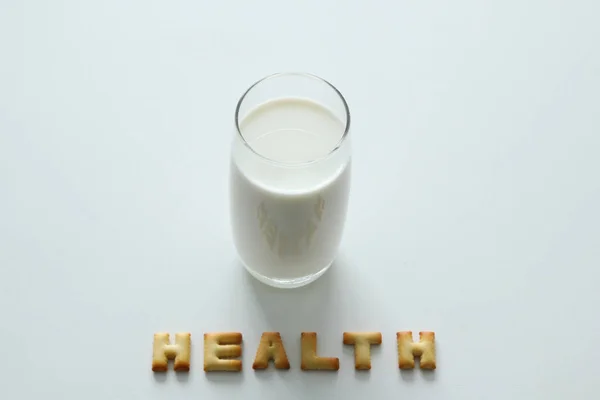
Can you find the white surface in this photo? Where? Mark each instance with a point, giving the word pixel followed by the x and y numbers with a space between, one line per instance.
pixel 474 209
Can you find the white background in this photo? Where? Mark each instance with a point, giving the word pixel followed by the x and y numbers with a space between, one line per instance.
pixel 474 209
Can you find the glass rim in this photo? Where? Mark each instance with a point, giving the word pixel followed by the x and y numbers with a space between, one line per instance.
pixel 302 74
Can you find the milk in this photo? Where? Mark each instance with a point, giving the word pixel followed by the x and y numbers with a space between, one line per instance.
pixel 289 191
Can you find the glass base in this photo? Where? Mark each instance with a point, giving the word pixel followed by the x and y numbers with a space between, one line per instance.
pixel 287 283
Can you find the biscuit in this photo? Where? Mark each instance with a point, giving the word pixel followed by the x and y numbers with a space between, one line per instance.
pixel 163 351
pixel 271 348
pixel 310 360
pixel 362 342
pixel 220 348
pixel 408 350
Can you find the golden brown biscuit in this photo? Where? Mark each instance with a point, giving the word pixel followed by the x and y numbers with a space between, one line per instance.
pixel 271 348
pixel 219 348
pixel 362 342
pixel 310 360
pixel 408 350
pixel 163 351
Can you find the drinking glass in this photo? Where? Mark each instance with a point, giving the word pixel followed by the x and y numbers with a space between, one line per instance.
pixel 289 177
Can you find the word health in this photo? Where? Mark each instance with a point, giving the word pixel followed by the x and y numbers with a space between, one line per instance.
pixel 222 351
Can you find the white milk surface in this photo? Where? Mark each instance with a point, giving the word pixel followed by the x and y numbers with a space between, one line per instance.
pixel 287 212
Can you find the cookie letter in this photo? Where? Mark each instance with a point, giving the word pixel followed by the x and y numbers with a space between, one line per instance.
pixel 408 350
pixel 271 348
pixel 163 351
pixel 219 348
pixel 362 342
pixel 310 360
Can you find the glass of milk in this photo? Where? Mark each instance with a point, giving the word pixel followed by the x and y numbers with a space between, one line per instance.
pixel 290 177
